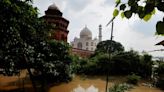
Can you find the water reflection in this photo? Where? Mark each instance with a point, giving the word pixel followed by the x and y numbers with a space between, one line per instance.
pixel 97 84
pixel 92 89
pixel 89 89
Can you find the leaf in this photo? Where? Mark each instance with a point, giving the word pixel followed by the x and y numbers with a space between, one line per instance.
pixel 122 7
pixel 115 12
pixel 122 15
pixel 7 1
pixel 117 2
pixel 147 17
pixel 154 11
pixel 149 8
pixel 141 15
pixel 128 14
pixel 131 2
pixel 134 8
pixel 160 27
pixel 160 6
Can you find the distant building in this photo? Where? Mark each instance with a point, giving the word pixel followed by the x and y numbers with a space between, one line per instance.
pixel 85 45
pixel 54 16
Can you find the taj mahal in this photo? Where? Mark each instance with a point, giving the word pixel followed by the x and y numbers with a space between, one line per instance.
pixel 86 42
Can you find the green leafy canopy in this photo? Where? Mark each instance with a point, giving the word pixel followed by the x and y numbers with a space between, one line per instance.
pixel 145 10
pixel 25 44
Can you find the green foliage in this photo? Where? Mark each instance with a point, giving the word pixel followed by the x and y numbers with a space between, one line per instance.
pixel 133 79
pixel 19 28
pixel 160 27
pixel 144 12
pixel 54 65
pixel 125 62
pixel 145 65
pixel 122 7
pixel 160 83
pixel 120 88
pixel 102 63
pixel 115 12
pixel 25 44
pixel 147 17
pixel 94 66
pixel 122 63
pixel 74 64
pixel 103 47
pixel 117 2
pixel 128 14
pixel 122 15
pixel 160 69
pixel 160 5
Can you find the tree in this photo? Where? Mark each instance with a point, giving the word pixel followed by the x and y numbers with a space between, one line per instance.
pixel 131 62
pixel 144 8
pixel 103 47
pixel 145 68
pixel 25 44
pixel 97 65
pixel 125 62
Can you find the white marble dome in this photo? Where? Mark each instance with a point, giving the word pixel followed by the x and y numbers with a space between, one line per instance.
pixel 85 33
pixel 53 6
pixel 85 42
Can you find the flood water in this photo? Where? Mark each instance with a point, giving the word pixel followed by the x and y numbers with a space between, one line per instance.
pixel 96 84
pixel 81 84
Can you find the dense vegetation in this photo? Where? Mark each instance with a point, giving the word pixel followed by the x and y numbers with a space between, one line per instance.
pixel 25 44
pixel 160 72
pixel 120 63
pixel 123 63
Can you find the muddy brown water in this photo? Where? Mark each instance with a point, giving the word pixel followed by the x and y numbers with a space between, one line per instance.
pixel 85 82
pixel 98 82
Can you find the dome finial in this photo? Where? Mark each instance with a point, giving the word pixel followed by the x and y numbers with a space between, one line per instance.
pixel 53 6
pixel 85 26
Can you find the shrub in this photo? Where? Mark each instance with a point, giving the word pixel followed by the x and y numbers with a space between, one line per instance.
pixel 160 70
pixel 133 79
pixel 120 87
pixel 160 83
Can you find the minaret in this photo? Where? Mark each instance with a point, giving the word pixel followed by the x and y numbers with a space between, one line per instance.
pixel 100 33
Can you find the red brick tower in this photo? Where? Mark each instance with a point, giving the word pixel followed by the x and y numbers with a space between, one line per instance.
pixel 54 16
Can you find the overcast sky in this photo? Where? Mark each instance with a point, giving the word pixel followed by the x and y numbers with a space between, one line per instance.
pixel 132 34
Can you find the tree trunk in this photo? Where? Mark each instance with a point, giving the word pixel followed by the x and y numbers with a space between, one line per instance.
pixel 30 74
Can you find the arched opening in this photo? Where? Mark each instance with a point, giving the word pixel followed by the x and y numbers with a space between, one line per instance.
pixel 79 45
